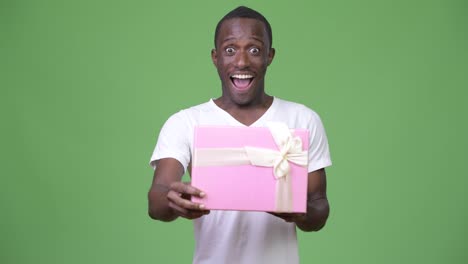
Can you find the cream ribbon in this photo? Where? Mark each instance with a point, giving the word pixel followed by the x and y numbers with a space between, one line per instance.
pixel 290 150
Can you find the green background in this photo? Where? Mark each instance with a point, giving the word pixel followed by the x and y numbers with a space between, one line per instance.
pixel 86 86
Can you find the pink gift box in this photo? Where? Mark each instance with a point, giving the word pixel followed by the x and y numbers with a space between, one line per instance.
pixel 245 187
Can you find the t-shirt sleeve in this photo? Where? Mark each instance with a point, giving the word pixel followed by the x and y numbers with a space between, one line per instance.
pixel 173 141
pixel 319 153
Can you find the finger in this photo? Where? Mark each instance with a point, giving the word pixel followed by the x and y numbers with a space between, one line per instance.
pixel 186 188
pixel 277 215
pixel 289 214
pixel 288 217
pixel 195 214
pixel 185 213
pixel 192 214
pixel 184 203
pixel 178 210
pixel 280 215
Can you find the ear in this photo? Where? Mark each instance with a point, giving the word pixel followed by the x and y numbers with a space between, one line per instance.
pixel 271 55
pixel 214 57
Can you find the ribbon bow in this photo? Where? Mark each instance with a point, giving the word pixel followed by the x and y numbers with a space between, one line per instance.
pixel 290 149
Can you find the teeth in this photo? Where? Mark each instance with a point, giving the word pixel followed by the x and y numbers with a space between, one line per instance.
pixel 242 76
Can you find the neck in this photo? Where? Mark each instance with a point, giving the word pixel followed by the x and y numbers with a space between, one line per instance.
pixel 246 114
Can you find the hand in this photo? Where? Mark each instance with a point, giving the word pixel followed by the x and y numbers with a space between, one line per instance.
pixel 291 217
pixel 179 200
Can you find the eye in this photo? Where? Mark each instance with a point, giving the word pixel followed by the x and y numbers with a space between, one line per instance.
pixel 230 51
pixel 254 51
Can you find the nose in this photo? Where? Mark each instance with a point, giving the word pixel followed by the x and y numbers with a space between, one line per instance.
pixel 242 59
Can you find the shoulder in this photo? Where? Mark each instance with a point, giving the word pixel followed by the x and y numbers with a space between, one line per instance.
pixel 191 114
pixel 297 109
pixel 293 106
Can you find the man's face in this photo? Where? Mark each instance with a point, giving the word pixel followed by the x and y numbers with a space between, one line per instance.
pixel 242 56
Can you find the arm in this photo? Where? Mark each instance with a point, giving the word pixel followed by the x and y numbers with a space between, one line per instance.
pixel 168 197
pixel 318 208
pixel 317 204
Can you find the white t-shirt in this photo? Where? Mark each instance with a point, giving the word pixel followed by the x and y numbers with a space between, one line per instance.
pixel 235 236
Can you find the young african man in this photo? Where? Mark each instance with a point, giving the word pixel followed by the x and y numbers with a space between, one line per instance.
pixel 243 51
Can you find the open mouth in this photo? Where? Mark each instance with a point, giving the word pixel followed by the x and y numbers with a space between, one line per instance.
pixel 242 81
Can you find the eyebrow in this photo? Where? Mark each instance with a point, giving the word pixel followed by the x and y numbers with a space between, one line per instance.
pixel 232 38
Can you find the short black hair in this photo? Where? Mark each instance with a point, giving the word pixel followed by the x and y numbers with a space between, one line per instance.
pixel 245 12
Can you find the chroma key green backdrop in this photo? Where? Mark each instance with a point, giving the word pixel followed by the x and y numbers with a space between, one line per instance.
pixel 86 86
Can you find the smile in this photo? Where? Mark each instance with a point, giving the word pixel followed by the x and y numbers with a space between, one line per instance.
pixel 241 81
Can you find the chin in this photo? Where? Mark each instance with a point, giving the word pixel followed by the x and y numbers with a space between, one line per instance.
pixel 242 98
